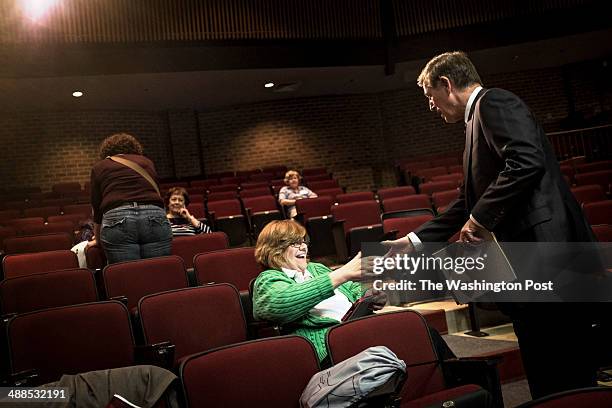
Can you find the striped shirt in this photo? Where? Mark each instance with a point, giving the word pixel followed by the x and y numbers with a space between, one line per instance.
pixel 181 227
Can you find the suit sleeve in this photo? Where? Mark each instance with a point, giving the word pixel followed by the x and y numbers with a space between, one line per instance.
pixel 445 225
pixel 511 132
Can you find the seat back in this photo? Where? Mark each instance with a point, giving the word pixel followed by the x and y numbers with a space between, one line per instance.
pixel 19 223
pixel 48 289
pixel 256 192
pixel 588 193
pixel 602 177
pixel 332 193
pixel 75 219
pixel 135 279
pixel 358 214
pixel 322 185
pixel 193 319
pixel 71 340
pixel 427 174
pixel 221 195
pixel 599 212
pixel 225 208
pixel 219 188
pixel 83 209
pixel 594 166
pixel 354 197
pixel 433 186
pixel 314 207
pixel 413 202
pixel 247 369
pixel 38 243
pixel 406 334
pixel 260 203
pixel 405 225
pixel 95 257
pixel 392 192
pixel 9 214
pixel 6 232
pixel 188 247
pixel 43 212
pixel 603 232
pixel 197 210
pixel 236 266
pixel 49 228
pixel 444 198
pixel 31 263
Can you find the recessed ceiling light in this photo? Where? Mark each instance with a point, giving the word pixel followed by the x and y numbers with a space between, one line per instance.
pixel 77 94
pixel 269 85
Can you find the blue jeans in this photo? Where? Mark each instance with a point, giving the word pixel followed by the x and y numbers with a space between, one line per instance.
pixel 135 232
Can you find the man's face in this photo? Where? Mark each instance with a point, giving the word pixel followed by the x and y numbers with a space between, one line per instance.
pixel 444 102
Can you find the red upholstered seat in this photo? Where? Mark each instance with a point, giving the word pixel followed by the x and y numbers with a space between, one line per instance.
pixel 193 319
pixel 332 193
pixel 270 372
pixel 603 232
pixel 48 289
pixel 314 207
pixel 254 184
pixel 18 223
pixel 71 340
pixel 222 195
pixel 316 177
pixel 426 174
pixel 357 214
pixel 406 334
pixel 456 178
pixel 30 263
pixel 444 198
pixel 49 228
pixel 412 202
pixel 588 193
pixel 135 279
pixel 43 212
pixel 95 257
pixel 227 217
pixel 385 193
pixel 433 186
pixel 236 266
pixel 354 197
pixel 197 209
pixel 405 225
pixel 188 247
pixel 599 212
pixel 322 185
pixel 219 188
pixel 594 166
pixel 255 192
pixel 601 177
pixel 84 209
pixel 38 243
pixel 9 214
pixel 75 219
pixel 261 210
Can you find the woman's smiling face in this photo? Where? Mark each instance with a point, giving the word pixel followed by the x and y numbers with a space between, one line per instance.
pixel 296 256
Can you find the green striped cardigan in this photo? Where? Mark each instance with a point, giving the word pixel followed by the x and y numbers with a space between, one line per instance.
pixel 279 299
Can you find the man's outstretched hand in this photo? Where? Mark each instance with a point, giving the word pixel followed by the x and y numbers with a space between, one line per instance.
pixel 399 246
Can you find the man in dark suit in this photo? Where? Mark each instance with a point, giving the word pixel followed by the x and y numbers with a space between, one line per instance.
pixel 512 187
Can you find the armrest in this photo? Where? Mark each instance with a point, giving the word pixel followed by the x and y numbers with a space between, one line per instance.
pixel 479 371
pixel 158 354
pixel 122 299
pixel 299 218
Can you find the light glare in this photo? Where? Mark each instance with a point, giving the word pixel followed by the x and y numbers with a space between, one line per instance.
pixel 269 85
pixel 36 9
pixel 77 94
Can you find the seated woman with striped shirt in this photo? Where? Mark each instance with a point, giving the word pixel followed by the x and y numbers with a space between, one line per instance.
pixel 181 221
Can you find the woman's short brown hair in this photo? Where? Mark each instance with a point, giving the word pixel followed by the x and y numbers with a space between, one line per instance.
pixel 120 143
pixel 274 240
pixel 176 191
pixel 292 173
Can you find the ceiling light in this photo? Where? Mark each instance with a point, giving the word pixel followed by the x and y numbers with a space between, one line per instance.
pixel 269 85
pixel 77 94
pixel 36 9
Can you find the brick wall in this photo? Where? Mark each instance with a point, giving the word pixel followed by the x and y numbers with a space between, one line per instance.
pixel 357 137
pixel 43 148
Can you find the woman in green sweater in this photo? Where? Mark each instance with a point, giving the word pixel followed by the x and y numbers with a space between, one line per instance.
pixel 306 298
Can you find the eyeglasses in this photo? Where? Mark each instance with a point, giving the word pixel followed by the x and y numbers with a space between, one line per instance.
pixel 299 243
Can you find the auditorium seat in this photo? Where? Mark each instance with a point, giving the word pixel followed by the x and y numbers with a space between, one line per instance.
pixel 38 243
pixel 221 195
pixel 31 263
pixel 456 178
pixel 255 192
pixel 457 168
pixel 260 211
pixel 70 340
pixel 6 232
pixel 315 215
pixel 603 232
pixel 197 209
pixel 602 177
pixel 196 197
pixel 314 171
pixel 9 214
pixel 83 209
pixel 270 372
pixel 407 335
pixel 315 186
pixel 75 219
pixel 168 185
pixel 317 177
pixel 48 228
pixel 354 224
pixel 18 223
pixel 412 202
pixel 219 188
pixel 425 175
pixel 236 266
pixel 599 212
pixel 203 184
pixel 353 197
pixel 588 193
pixel 435 186
pixel 405 225
pixel 330 192
pixel 441 199
pixel 45 290
pixel 135 279
pixel 391 192
pixel 193 319
pixel 254 184
pixel 594 166
pixel 226 216
pixel 188 247
pixel 229 180
pixel 95 258
pixel 264 176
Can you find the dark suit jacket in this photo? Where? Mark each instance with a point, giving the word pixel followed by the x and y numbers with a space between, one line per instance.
pixel 513 185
